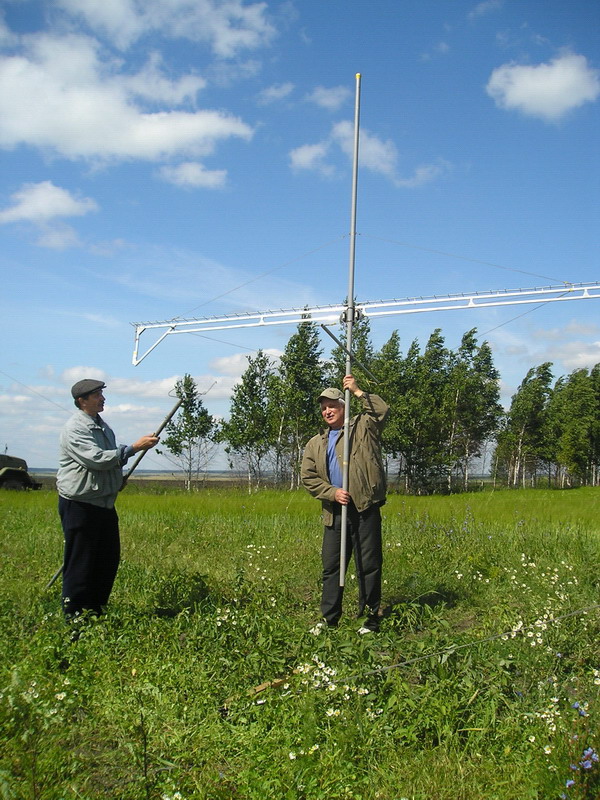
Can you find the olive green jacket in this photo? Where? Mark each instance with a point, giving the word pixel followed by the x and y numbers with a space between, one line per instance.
pixel 366 474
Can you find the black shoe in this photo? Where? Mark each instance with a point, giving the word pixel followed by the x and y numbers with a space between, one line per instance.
pixel 371 625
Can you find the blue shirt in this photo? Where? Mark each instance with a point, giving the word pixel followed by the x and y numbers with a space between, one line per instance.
pixel 333 464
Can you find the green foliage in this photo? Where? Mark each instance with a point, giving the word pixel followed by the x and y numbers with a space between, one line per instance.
pixel 445 413
pixel 362 351
pixel 552 431
pixel 248 432
pixel 205 679
pixel 521 442
pixel 300 380
pixel 189 437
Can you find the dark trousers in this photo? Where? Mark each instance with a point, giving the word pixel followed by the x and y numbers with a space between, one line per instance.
pixel 92 553
pixel 363 538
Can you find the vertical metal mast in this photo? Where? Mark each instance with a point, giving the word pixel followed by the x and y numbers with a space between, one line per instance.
pixel 349 325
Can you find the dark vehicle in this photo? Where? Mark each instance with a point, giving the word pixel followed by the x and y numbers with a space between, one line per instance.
pixel 14 475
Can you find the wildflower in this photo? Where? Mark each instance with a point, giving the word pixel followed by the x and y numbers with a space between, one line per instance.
pixel 60 695
pixel 532 739
pixel 292 756
pixel 547 749
pixel 570 783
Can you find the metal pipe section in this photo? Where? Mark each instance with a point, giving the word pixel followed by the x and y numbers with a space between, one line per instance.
pixel 349 326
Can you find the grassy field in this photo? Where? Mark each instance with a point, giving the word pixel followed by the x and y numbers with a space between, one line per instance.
pixel 206 678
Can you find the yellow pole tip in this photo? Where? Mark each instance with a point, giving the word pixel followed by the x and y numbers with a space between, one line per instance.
pixel 358 75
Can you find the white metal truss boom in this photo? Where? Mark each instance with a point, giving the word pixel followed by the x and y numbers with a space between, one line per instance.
pixel 383 308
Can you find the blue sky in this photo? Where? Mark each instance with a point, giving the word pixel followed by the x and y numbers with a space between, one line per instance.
pixel 193 157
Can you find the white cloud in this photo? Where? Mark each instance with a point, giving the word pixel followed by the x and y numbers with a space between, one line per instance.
pixel 441 48
pixel 99 319
pixel 555 345
pixel 273 94
pixel 7 37
pixel 150 84
pixel 312 157
pixel 548 91
pixel 227 26
pixel 374 154
pixel 193 285
pixel 8 402
pixel 58 237
pixel 573 328
pixel 423 175
pixel 230 365
pixel 217 386
pixel 485 7
pixel 234 366
pixel 582 328
pixel 40 202
pixel 575 355
pixel 58 94
pixel 193 175
pixel 160 388
pixel 331 99
pixel 73 374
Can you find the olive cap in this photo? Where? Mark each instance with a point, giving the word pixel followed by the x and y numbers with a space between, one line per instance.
pixel 331 394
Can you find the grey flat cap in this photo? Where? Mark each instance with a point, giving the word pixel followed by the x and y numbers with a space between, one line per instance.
pixel 86 386
pixel 331 394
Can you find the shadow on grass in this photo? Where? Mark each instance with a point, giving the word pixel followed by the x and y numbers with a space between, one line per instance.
pixel 440 596
pixel 180 591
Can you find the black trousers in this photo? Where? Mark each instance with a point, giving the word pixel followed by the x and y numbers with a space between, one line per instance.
pixel 363 538
pixel 92 554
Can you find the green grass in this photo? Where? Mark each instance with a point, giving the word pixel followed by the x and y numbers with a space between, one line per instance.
pixel 205 681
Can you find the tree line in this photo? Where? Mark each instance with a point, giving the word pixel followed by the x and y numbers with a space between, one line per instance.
pixel 446 418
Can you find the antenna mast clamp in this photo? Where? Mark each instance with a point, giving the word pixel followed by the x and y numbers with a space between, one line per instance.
pixel 357 316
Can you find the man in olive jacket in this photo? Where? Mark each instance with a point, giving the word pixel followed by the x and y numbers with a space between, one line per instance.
pixel 322 477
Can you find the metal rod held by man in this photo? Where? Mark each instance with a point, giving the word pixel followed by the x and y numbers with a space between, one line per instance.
pixel 349 324
pixel 158 431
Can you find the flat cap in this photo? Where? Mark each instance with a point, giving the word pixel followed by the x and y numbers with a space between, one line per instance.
pixel 86 386
pixel 331 394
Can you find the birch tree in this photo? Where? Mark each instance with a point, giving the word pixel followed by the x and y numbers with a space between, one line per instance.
pixel 295 414
pixel 248 433
pixel 190 436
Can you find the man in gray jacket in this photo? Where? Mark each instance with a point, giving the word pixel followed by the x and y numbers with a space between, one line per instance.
pixel 322 477
pixel 89 479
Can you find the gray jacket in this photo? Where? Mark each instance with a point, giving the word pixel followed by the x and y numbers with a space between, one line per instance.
pixel 90 461
pixel 366 474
